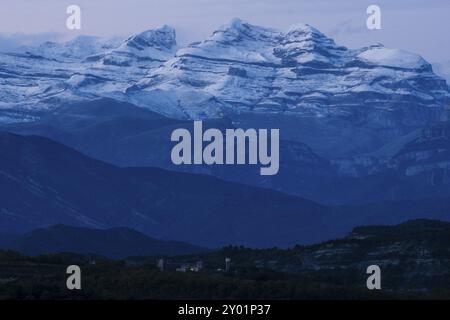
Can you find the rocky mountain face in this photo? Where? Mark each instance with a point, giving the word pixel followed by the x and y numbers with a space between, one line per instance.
pixel 420 158
pixel 427 156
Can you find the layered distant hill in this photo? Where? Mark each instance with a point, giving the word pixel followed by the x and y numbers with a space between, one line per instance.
pixel 43 183
pixel 412 167
pixel 112 243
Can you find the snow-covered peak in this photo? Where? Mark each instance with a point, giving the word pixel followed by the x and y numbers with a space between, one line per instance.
pixel 247 68
pixel 233 24
pixel 305 45
pixel 77 48
pixel 239 30
pixel 236 40
pixel 308 36
pixel 304 30
pixel 162 38
pixel 239 68
pixel 145 50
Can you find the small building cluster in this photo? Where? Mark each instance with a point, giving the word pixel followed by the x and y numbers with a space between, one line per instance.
pixel 188 267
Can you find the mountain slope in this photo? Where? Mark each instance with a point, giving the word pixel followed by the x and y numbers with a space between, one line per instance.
pixel 410 168
pixel 84 68
pixel 44 183
pixel 112 243
pixel 125 135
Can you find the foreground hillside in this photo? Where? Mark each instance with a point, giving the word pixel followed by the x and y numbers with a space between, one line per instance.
pixel 414 259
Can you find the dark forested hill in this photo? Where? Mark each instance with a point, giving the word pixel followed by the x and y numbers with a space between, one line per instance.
pixel 413 257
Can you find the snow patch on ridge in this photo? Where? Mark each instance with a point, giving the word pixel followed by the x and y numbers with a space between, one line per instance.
pixel 392 58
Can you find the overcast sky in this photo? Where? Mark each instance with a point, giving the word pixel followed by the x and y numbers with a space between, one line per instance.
pixel 420 26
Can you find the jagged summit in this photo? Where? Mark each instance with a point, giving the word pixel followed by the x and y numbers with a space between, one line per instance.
pixel 303 28
pixel 247 68
pixel 239 30
pixel 234 23
pixel 306 34
pixel 163 37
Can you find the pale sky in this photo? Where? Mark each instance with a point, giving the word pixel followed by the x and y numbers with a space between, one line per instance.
pixel 421 26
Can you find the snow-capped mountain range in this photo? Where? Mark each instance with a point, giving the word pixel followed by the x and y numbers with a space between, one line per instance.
pixel 84 68
pixel 247 68
pixel 339 101
pixel 239 68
